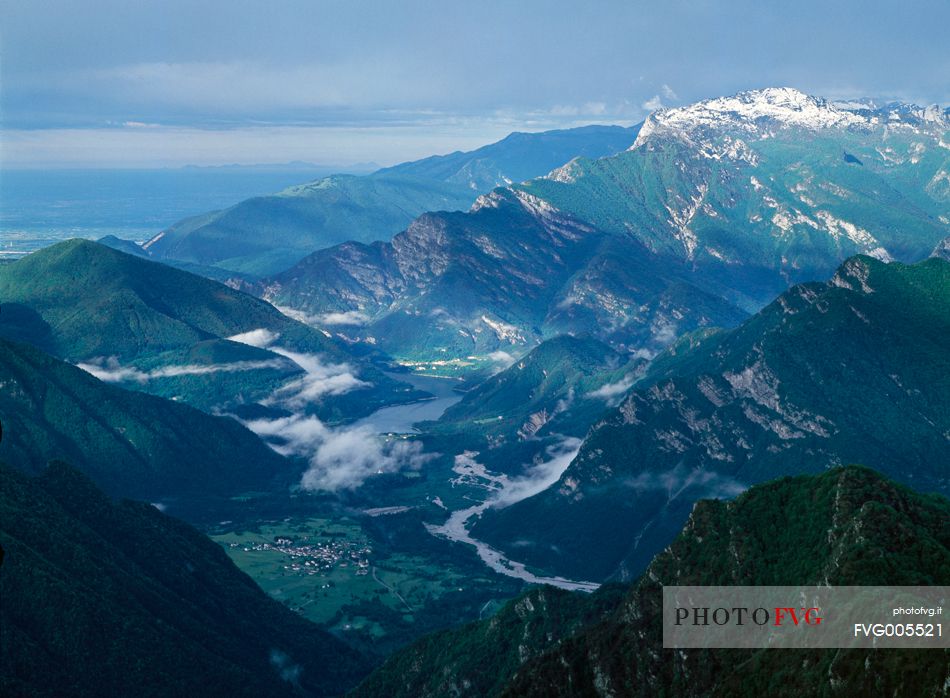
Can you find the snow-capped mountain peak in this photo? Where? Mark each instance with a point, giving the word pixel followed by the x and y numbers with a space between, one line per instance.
pixel 752 112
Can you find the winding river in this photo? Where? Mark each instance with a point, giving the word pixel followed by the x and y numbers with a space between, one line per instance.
pixel 455 529
pixel 401 419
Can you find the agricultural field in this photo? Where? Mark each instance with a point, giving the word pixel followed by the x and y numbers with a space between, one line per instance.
pixel 378 581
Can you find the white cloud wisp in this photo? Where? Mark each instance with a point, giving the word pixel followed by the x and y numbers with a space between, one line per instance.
pixel 340 459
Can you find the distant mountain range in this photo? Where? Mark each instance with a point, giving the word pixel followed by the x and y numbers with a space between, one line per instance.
pixel 103 598
pixel 268 234
pixel 853 370
pixel 849 526
pixel 519 156
pixel 714 210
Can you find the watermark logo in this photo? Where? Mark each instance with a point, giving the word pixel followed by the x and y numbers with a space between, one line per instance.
pixel 804 617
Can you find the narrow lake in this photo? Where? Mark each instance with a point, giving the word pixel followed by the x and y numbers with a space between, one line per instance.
pixel 401 418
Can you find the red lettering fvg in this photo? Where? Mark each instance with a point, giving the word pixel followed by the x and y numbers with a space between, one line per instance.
pixel 809 616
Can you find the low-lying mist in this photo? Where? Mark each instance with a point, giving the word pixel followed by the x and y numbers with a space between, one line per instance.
pixel 340 458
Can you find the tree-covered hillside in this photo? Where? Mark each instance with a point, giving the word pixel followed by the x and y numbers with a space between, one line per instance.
pixel 129 443
pixel 117 599
pixel 847 526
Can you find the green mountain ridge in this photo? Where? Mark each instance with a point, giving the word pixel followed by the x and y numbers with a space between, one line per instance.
pixel 129 443
pixel 847 526
pixel 103 598
pixel 98 301
pixel 852 370
pixel 269 233
pixel 88 303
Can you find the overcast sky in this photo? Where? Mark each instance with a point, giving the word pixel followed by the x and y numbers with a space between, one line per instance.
pixel 136 83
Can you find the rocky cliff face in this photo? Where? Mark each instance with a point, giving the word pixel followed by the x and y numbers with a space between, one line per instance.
pixel 853 370
pixel 504 276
